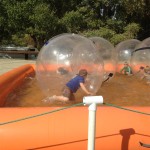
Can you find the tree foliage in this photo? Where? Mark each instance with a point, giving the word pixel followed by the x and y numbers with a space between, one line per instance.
pixel 40 20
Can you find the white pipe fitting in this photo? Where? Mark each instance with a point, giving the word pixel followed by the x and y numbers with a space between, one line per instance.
pixel 93 99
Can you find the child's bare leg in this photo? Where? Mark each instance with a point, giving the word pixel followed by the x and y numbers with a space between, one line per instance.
pixel 142 77
pixel 148 82
pixel 55 98
pixel 62 98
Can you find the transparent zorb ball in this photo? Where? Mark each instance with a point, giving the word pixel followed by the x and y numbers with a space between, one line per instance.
pixel 140 60
pixel 124 51
pixel 107 52
pixel 61 58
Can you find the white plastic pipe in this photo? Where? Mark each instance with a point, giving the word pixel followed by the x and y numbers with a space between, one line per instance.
pixel 92 101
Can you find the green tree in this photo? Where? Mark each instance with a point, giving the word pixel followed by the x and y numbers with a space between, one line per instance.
pixel 73 21
pixel 102 32
pixel 137 12
pixel 43 19
pixel 42 25
pixel 131 30
pixel 3 31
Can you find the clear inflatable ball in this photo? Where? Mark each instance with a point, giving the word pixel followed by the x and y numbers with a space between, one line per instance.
pixel 140 60
pixel 61 59
pixel 107 51
pixel 124 51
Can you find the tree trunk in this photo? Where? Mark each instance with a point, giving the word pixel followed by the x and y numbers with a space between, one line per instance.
pixel 35 40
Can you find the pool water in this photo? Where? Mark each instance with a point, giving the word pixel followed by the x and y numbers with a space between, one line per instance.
pixel 121 90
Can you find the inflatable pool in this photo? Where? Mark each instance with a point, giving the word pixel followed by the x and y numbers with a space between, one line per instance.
pixel 59 128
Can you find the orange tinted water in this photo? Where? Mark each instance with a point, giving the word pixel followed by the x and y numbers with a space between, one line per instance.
pixel 121 90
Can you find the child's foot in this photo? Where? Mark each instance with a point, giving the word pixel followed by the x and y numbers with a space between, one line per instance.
pixel 65 99
pixel 61 98
pixel 49 99
pixel 148 83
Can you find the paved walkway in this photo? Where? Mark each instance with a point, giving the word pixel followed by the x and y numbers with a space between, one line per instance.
pixel 9 64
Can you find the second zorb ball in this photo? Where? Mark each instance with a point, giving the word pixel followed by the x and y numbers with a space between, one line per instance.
pixel 61 58
pixel 107 52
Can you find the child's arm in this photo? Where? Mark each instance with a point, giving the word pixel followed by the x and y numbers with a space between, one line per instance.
pixel 137 72
pixel 130 70
pixel 121 70
pixel 142 77
pixel 84 89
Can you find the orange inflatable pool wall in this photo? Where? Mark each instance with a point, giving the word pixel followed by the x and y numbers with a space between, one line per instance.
pixel 68 129
pixel 12 79
pixel 116 129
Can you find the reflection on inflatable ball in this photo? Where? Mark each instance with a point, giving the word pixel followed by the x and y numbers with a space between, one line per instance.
pixel 61 58
pixel 107 51
pixel 124 51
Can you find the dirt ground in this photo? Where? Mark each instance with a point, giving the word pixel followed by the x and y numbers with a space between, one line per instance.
pixel 121 90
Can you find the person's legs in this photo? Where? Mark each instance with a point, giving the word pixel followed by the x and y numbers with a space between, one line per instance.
pixel 142 77
pixel 54 98
pixel 66 94
pixel 148 82
pixel 61 98
pixel 148 79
